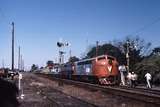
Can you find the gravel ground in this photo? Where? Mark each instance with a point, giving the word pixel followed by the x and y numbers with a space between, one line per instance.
pixel 65 95
pixel 40 92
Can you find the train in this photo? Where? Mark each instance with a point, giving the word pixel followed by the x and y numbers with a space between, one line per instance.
pixel 100 70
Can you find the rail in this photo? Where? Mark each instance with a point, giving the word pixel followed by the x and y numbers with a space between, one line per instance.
pixel 149 96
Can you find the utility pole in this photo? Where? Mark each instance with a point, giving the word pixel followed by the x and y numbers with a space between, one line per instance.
pixel 21 61
pixel 12 46
pixel 97 48
pixel 19 57
pixel 127 56
pixel 2 63
pixel 70 53
pixel 22 64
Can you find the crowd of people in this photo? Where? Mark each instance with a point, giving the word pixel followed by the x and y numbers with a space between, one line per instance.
pixel 130 78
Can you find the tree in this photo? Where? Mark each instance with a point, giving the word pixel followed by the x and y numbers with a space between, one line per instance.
pixel 73 59
pixel 41 67
pixel 138 49
pixel 149 64
pixel 34 67
pixel 107 49
pixel 156 51
pixel 50 64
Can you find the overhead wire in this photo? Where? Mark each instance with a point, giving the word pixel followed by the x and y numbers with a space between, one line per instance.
pixel 146 26
pixel 3 17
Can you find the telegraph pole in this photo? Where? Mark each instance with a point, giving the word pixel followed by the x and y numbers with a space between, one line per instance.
pixel 21 61
pixel 2 63
pixel 70 53
pixel 97 48
pixel 23 64
pixel 127 56
pixel 19 57
pixel 12 46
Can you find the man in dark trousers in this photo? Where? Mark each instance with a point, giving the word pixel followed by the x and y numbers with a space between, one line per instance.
pixel 122 69
pixel 8 94
pixel 133 79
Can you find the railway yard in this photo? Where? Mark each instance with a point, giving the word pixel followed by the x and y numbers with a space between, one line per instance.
pixel 79 53
pixel 41 90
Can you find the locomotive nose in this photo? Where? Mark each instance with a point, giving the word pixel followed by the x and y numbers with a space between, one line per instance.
pixel 109 68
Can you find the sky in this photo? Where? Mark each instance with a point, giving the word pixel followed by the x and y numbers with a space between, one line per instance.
pixel 40 24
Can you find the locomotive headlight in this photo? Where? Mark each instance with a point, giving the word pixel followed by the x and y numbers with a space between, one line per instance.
pixel 103 63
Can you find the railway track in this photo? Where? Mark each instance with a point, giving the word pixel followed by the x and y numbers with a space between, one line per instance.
pixel 60 99
pixel 144 90
pixel 50 99
pixel 39 93
pixel 50 96
pixel 145 95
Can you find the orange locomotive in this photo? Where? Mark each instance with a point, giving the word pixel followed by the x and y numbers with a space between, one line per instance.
pixel 101 69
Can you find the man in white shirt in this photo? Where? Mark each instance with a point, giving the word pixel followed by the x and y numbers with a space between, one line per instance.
pixel 129 77
pixel 148 79
pixel 122 70
pixel 133 79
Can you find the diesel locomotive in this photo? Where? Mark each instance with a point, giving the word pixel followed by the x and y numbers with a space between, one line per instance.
pixel 101 69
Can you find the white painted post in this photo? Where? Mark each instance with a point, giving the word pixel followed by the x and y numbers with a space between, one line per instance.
pixel 19 86
pixel 19 81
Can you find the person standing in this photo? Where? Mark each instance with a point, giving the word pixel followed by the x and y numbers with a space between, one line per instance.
pixel 148 79
pixel 133 79
pixel 122 69
pixel 129 78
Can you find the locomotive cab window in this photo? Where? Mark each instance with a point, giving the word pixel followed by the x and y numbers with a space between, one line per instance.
pixel 101 58
pixel 85 62
pixel 110 58
pixel 110 61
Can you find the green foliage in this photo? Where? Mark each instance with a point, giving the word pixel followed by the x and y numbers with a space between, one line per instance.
pixel 108 49
pixel 149 64
pixel 34 67
pixel 156 51
pixel 73 59
pixel 137 47
pixel 50 64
